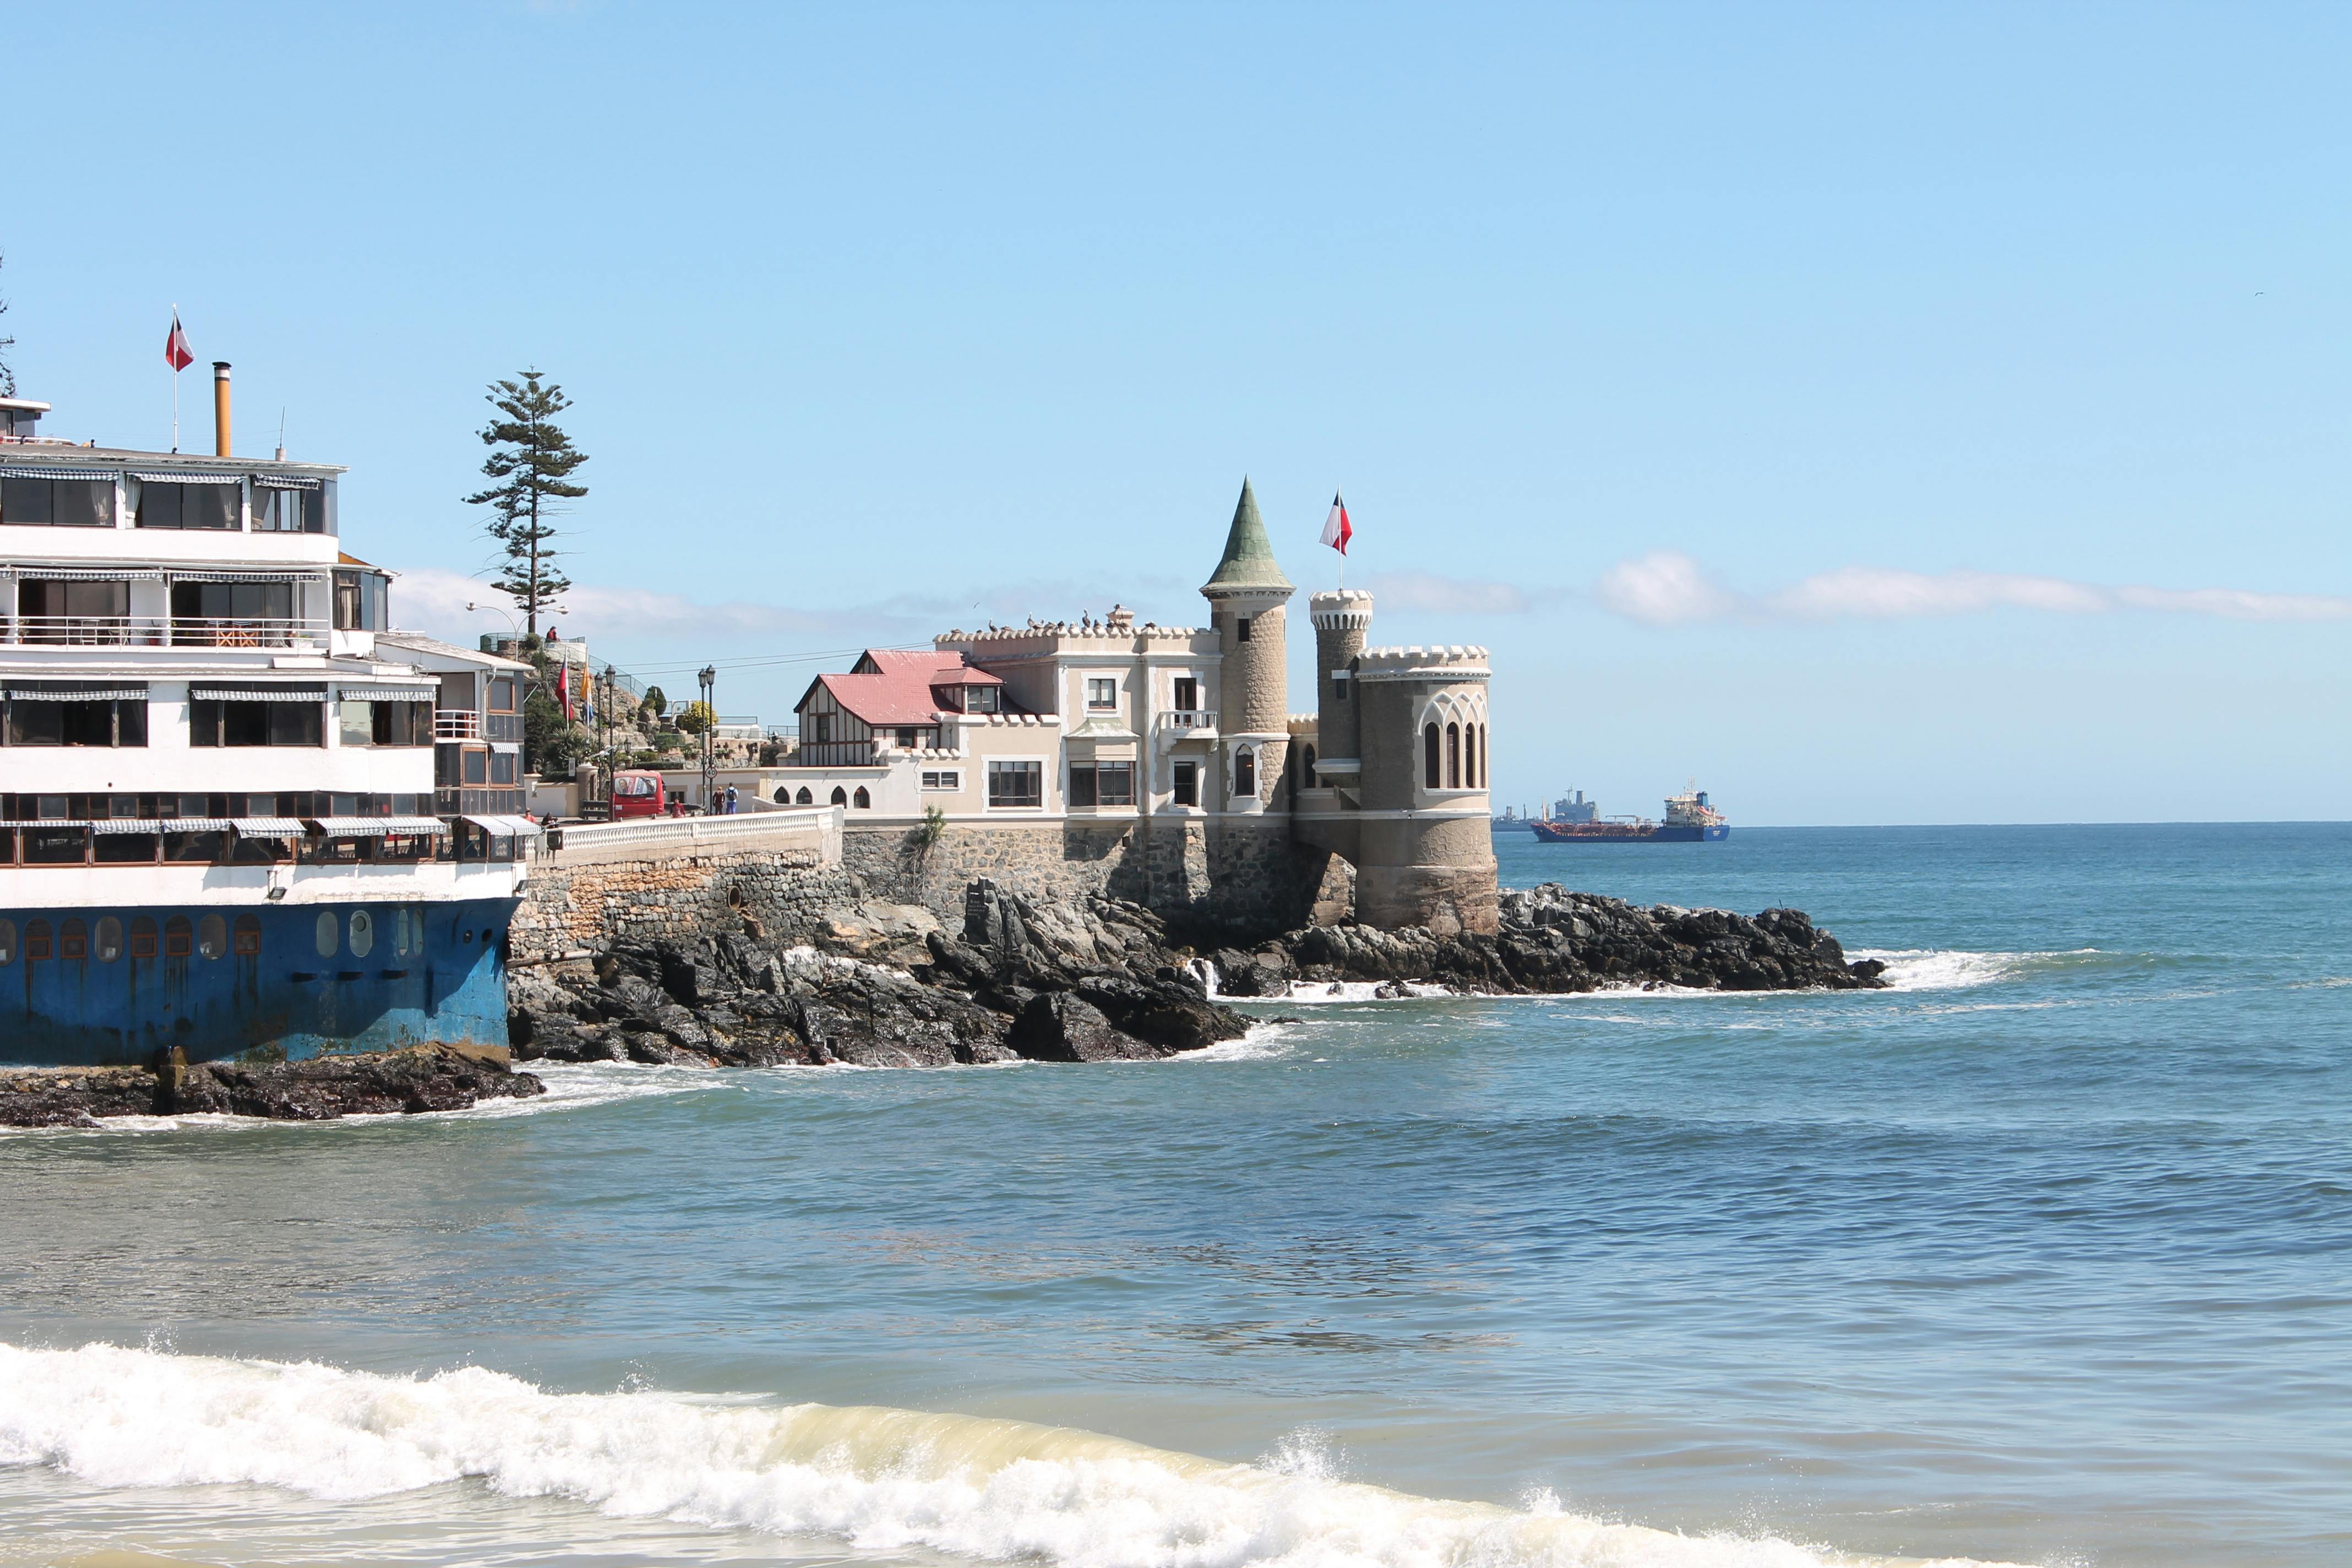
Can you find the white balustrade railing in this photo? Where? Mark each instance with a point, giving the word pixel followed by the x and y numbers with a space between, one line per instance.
pixel 1186 719
pixel 457 724
pixel 683 835
pixel 161 631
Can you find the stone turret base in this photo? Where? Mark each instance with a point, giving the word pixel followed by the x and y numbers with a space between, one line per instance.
pixel 1448 900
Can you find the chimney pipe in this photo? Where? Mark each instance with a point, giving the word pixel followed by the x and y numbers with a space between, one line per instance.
pixel 220 409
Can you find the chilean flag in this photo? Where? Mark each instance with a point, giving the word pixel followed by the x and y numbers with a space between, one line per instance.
pixel 176 352
pixel 1335 530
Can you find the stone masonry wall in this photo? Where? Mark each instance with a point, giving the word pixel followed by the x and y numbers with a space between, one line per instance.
pixel 1243 872
pixel 573 909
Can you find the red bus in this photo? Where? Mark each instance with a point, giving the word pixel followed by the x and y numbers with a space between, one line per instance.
pixel 639 794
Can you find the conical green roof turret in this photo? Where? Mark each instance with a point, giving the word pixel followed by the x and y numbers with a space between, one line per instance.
pixel 1248 560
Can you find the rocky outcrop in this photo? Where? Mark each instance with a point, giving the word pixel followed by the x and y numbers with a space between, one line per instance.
pixel 428 1077
pixel 1555 940
pixel 883 985
pixel 1101 980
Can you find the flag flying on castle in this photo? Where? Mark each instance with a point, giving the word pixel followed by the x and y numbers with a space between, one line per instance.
pixel 1336 529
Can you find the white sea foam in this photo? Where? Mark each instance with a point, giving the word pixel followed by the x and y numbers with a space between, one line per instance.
pixel 1942 969
pixel 880 1479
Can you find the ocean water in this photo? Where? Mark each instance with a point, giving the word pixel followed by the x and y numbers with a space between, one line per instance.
pixel 2042 1256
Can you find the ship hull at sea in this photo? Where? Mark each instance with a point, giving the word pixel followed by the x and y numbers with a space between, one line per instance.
pixel 1625 833
pixel 106 985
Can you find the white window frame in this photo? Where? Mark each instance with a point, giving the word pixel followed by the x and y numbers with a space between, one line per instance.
pixel 1093 680
pixel 942 781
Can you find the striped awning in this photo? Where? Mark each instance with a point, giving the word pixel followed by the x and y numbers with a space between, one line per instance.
pixel 48 822
pixel 250 575
pixel 89 476
pixel 169 479
pixel 54 693
pixel 267 827
pixel 505 827
pixel 82 573
pixel 284 482
pixel 258 693
pixel 376 827
pixel 126 825
pixel 197 825
pixel 385 693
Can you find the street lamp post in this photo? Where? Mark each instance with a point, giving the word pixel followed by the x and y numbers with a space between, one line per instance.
pixel 710 679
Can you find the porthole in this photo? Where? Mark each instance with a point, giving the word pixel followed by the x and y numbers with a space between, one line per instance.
pixel 8 942
pixel 416 929
pixel 467 937
pixel 362 933
pixel 212 937
pixel 142 937
pixel 400 933
pixel 329 934
pixel 178 937
pixel 73 940
pixel 488 936
pixel 107 947
pixel 249 936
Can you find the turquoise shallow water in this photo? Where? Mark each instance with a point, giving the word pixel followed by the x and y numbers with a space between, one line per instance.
pixel 2045 1255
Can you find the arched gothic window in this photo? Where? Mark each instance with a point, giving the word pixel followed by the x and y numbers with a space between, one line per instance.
pixel 861 800
pixel 1429 752
pixel 1310 769
pixel 840 796
pixel 1454 756
pixel 804 798
pixel 1245 773
pixel 1482 756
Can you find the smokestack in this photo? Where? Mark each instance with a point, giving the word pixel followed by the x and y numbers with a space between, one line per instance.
pixel 220 409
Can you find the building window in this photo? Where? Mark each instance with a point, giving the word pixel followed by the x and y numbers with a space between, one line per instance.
pixel 73 940
pixel 1241 628
pixel 476 764
pixel 861 800
pixel 1188 694
pixel 1310 769
pixel 62 503
pixel 840 796
pixel 1245 774
pixel 224 723
pixel 502 769
pixel 358 602
pixel 108 722
pixel 108 944
pixel 1429 753
pixel 907 739
pixel 1340 684
pixel 249 936
pixel 804 798
pixel 56 846
pixel 1102 783
pixel 178 937
pixel 982 699
pixel 229 609
pixel 1102 694
pixel 945 780
pixel 8 942
pixel 502 694
pixel 816 728
pixel 83 613
pixel 1185 781
pixel 142 937
pixel 212 937
pixel 188 506
pixel 1016 783
pixel 276 511
pixel 37 939
pixel 1454 756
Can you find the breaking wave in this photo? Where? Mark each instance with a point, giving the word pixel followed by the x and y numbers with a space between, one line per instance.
pixel 878 1479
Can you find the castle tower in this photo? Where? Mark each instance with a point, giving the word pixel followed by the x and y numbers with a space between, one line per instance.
pixel 1247 597
pixel 1425 847
pixel 1341 620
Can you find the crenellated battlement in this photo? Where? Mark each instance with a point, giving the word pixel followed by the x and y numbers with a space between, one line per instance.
pixel 1456 661
pixel 1340 609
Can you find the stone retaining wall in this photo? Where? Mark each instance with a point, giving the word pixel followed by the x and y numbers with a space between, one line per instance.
pixel 1243 873
pixel 674 898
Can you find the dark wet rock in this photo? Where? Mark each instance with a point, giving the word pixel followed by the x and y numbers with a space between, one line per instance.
pixel 426 1078
pixel 1096 979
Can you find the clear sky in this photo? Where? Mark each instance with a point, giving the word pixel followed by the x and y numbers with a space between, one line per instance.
pixel 1881 412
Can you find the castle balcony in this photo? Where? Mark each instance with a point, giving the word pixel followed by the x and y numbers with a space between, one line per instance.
pixel 1188 724
pixel 457 724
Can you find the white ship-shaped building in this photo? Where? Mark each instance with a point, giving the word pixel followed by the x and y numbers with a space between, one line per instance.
pixel 238 816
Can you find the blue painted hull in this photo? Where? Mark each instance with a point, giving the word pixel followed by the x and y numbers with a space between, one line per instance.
pixel 395 974
pixel 1670 834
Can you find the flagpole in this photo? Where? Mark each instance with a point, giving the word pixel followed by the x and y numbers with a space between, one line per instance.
pixel 175 375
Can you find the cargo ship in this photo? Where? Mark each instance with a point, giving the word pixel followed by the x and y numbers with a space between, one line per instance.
pixel 1689 820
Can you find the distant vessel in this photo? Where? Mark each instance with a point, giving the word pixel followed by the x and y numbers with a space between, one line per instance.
pixel 1689 820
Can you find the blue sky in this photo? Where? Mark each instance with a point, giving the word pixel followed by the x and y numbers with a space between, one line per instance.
pixel 1884 413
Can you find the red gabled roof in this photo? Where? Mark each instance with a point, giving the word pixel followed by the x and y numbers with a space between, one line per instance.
pixel 893 686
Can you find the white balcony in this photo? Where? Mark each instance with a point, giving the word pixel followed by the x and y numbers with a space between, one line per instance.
pixel 1189 725
pixel 457 724
pixel 161 631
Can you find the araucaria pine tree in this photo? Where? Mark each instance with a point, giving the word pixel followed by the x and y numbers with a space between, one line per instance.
pixel 532 459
